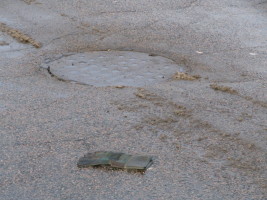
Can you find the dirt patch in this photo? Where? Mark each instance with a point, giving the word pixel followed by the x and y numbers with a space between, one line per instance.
pixel 3 43
pixel 229 148
pixel 223 88
pixel 157 121
pixel 244 116
pixel 19 36
pixel 120 86
pixel 150 96
pixel 181 111
pixel 184 76
pixel 29 1
pixel 257 102
pixel 230 90
pixel 237 153
pixel 130 106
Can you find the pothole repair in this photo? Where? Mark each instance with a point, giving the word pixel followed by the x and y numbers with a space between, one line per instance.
pixel 113 68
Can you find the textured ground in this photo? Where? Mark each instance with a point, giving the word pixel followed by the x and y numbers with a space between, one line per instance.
pixel 208 136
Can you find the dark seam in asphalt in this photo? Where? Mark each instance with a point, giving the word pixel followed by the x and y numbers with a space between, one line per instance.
pixel 63 80
pixel 54 76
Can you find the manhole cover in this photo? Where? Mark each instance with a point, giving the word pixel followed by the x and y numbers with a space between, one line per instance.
pixel 113 68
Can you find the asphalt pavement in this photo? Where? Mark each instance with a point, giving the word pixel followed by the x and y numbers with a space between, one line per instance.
pixel 208 137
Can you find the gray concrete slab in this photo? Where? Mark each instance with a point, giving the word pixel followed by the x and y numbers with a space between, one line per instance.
pixel 207 143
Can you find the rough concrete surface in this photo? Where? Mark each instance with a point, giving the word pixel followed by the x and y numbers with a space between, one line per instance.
pixel 208 136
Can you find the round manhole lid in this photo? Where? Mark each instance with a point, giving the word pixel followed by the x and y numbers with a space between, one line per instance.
pixel 113 68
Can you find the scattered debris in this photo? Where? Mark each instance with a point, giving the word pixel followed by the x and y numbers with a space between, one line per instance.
pixel 182 113
pixel 21 37
pixel 163 138
pixel 223 88
pixel 260 103
pixel 149 96
pixel 185 76
pixel 63 15
pixel 140 95
pixel 115 160
pixel 120 86
pixel 29 1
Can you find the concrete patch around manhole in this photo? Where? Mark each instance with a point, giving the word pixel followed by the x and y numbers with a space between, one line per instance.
pixel 113 68
pixel 9 46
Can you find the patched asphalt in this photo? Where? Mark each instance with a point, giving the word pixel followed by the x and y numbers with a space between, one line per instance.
pixel 207 136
